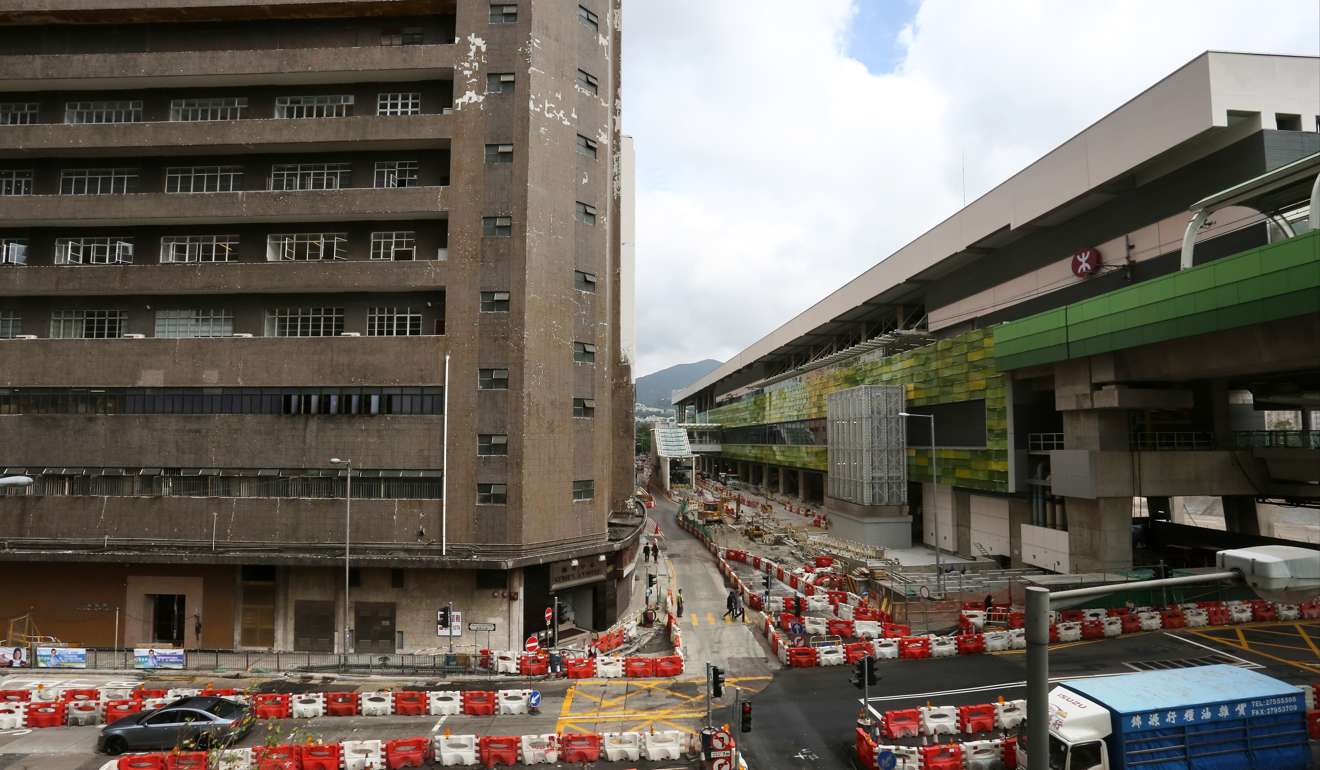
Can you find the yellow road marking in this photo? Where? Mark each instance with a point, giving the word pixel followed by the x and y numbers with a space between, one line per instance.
pixel 1307 638
pixel 1310 668
pixel 1290 634
pixel 1241 637
pixel 695 622
pixel 710 618
pixel 1256 642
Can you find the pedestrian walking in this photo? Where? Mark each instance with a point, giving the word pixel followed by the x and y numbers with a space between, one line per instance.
pixel 989 602
pixel 731 603
pixel 679 602
pixel 646 552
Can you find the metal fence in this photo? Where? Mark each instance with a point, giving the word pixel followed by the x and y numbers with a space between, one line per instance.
pixel 1277 439
pixel 258 661
pixel 1165 440
pixel 1044 442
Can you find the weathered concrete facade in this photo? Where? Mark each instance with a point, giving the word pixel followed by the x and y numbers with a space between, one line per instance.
pixel 509 218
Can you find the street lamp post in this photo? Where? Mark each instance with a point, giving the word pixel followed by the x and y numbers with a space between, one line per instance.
pixel 935 475
pixel 348 521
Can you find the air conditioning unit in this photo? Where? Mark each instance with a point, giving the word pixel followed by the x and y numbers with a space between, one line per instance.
pixel 242 335
pixel 135 336
pixel 442 253
pixel 350 334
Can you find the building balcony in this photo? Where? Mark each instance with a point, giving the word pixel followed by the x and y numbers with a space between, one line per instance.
pixel 355 204
pixel 219 362
pixel 225 68
pixel 228 137
pixel 222 278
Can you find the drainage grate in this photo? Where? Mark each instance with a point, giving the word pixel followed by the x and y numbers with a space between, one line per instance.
pixel 1157 665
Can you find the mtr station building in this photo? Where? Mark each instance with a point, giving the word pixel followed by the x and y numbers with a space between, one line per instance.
pixel 1130 321
pixel 245 243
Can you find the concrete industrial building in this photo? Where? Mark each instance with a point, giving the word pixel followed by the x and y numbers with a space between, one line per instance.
pixel 242 238
pixel 1088 344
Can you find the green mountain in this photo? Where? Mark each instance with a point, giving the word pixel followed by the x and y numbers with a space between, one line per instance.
pixel 655 388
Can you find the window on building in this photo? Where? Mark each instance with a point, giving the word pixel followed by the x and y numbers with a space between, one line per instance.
pixel 586 213
pixel 397 579
pixel 587 147
pixel 588 18
pixel 191 322
pixel 584 407
pixel 402 36
pixel 318 106
pixel 499 153
pixel 584 353
pixel 499 83
pixel 355 577
pixel 306 247
pixel 98 181
pixel 87 324
pixel 494 301
pixel 397 173
pixel 203 179
pixel 584 489
pixel 491 494
pixel 13 251
pixel 588 82
pixel 394 322
pixel 208 108
pixel 310 176
pixel 584 281
pixel 396 245
pixel 1287 122
pixel 503 13
pixel 16 181
pixel 492 444
pixel 305 322
pixel 501 227
pixel 493 379
pixel 104 111
pixel 287 401
pixel 11 324
pixel 399 103
pixel 19 113
pixel 94 250
pixel 180 249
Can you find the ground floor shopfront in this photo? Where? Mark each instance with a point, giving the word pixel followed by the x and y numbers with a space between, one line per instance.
pixel 301 608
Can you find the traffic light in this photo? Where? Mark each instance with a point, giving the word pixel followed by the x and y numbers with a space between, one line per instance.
pixel 798 609
pixel 864 671
pixel 650 580
pixel 716 682
pixel 766 578
pixel 747 716
pixel 442 617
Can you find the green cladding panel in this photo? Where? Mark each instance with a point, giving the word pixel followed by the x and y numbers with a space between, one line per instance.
pixel 1277 281
pixel 956 369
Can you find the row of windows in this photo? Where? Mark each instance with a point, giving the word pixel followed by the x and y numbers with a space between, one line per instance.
pixel 386 245
pixel 192 323
pixel 497 494
pixel 219 179
pixel 265 401
pixel 798 433
pixel 215 482
pixel 212 108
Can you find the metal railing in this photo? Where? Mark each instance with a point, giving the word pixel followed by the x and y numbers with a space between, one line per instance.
pixel 1044 442
pixel 260 661
pixel 1165 440
pixel 1277 439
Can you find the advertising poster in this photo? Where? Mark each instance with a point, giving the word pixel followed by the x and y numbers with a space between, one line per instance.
pixel 14 657
pixel 150 657
pixel 61 657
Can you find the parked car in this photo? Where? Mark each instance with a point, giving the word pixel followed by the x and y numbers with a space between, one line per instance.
pixel 203 722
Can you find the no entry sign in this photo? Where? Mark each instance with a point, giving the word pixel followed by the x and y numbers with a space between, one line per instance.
pixel 531 645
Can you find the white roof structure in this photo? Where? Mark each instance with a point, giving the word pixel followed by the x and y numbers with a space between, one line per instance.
pixel 1183 117
pixel 672 442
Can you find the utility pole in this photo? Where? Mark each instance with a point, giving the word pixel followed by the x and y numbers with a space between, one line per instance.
pixel 451 630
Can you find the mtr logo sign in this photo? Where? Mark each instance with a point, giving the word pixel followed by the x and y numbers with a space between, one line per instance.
pixel 1085 263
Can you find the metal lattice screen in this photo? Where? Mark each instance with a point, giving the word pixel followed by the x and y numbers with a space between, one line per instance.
pixel 867 445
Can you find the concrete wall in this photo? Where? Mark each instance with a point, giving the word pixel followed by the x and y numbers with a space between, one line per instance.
pixel 939 501
pixel 1046 548
pixel 990 524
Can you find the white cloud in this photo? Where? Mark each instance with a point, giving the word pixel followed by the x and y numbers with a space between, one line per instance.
pixel 773 167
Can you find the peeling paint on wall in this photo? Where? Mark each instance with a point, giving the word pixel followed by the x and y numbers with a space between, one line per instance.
pixel 470 70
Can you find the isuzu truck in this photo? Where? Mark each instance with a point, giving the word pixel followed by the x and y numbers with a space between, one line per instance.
pixel 1203 718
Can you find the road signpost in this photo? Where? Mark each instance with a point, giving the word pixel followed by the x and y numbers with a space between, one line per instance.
pixel 531 645
pixel 487 627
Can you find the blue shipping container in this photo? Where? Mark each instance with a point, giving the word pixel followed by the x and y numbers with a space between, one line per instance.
pixel 1204 718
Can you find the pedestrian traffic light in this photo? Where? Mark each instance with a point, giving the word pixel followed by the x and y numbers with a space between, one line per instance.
pixel 716 682
pixel 442 618
pixel 650 580
pixel 859 674
pixel 872 673
pixel 747 716
pixel 798 609
pixel 767 582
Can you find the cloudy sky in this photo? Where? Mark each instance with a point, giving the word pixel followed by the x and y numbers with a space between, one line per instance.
pixel 784 146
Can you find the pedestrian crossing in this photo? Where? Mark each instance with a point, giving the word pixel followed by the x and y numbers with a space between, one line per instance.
pixel 711 619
